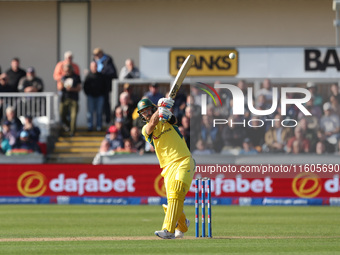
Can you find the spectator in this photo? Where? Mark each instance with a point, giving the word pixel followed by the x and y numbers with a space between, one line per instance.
pixel 211 135
pixel 105 65
pixel 337 150
pixel 276 137
pixel 113 139
pixel 123 131
pixel 186 130
pixel 320 148
pixel 335 105
pixel 256 133
pixel 129 71
pixel 298 143
pixel 309 133
pixel 15 123
pixel 137 140
pixel 4 143
pixel 9 134
pixel 153 93
pixel 14 74
pixel 322 138
pixel 95 89
pixel 248 148
pixel 312 120
pixel 30 83
pixel 201 148
pixel 33 131
pixel 128 147
pixel 133 98
pixel 127 109
pixel 335 91
pixel 330 124
pixel 25 144
pixel 4 86
pixel 317 99
pixel 266 91
pixel 104 150
pixel 234 134
pixel 59 70
pixel 69 99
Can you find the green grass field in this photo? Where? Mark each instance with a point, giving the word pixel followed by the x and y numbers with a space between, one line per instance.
pixel 79 229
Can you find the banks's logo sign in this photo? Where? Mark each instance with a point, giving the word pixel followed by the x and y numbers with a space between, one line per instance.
pixel 208 62
pixel 32 184
pixel 306 185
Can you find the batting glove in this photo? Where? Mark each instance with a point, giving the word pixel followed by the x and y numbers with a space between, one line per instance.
pixel 164 114
pixel 165 102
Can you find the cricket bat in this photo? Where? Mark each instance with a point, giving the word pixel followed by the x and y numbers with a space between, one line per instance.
pixel 180 76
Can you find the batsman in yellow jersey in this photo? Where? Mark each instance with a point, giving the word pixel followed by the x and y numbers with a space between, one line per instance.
pixel 174 158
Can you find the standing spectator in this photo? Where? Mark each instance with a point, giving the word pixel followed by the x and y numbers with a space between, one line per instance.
pixel 153 93
pixel 33 131
pixel 11 117
pixel 330 124
pixel 69 99
pixel 129 71
pixel 30 83
pixel 95 89
pixel 14 74
pixel 4 86
pixel 4 143
pixel 106 66
pixel 59 70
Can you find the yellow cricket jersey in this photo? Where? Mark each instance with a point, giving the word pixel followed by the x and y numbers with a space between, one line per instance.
pixel 168 143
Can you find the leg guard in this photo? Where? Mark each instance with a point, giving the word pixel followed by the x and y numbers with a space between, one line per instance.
pixel 181 224
pixel 176 194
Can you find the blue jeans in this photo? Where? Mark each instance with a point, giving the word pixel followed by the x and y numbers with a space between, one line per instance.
pixel 95 105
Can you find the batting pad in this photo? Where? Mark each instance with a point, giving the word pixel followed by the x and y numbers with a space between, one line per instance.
pixel 176 195
pixel 181 225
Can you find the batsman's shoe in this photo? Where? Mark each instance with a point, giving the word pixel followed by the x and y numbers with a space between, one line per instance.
pixel 180 234
pixel 165 234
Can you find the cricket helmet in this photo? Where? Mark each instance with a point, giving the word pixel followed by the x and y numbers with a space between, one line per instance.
pixel 145 103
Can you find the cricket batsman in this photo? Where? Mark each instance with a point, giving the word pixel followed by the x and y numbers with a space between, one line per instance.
pixel 174 158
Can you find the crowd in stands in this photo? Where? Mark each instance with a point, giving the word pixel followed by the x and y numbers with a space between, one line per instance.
pixel 318 133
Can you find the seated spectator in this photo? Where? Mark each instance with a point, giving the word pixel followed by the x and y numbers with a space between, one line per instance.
pixel 4 143
pixel 335 104
pixel 234 134
pixel 248 148
pixel 113 139
pixel 317 99
pixel 104 150
pixel 127 149
pixel 322 138
pixel 9 134
pixel 11 117
pixel 309 133
pixel 132 97
pixel 266 91
pixel 256 133
pixel 276 137
pixel 201 148
pixel 126 109
pixel 137 140
pixel 123 131
pixel 320 148
pixel 30 82
pixel 312 120
pixel 25 145
pixel 33 131
pixel 153 93
pixel 129 71
pixel 211 135
pixel 335 91
pixel 302 143
pixel 186 131
pixel 330 124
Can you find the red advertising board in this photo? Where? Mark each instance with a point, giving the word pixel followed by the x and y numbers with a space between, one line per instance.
pixel 145 180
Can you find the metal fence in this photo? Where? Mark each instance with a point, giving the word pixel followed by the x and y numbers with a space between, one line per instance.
pixel 34 104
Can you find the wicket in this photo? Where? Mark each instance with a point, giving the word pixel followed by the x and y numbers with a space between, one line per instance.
pixel 205 189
